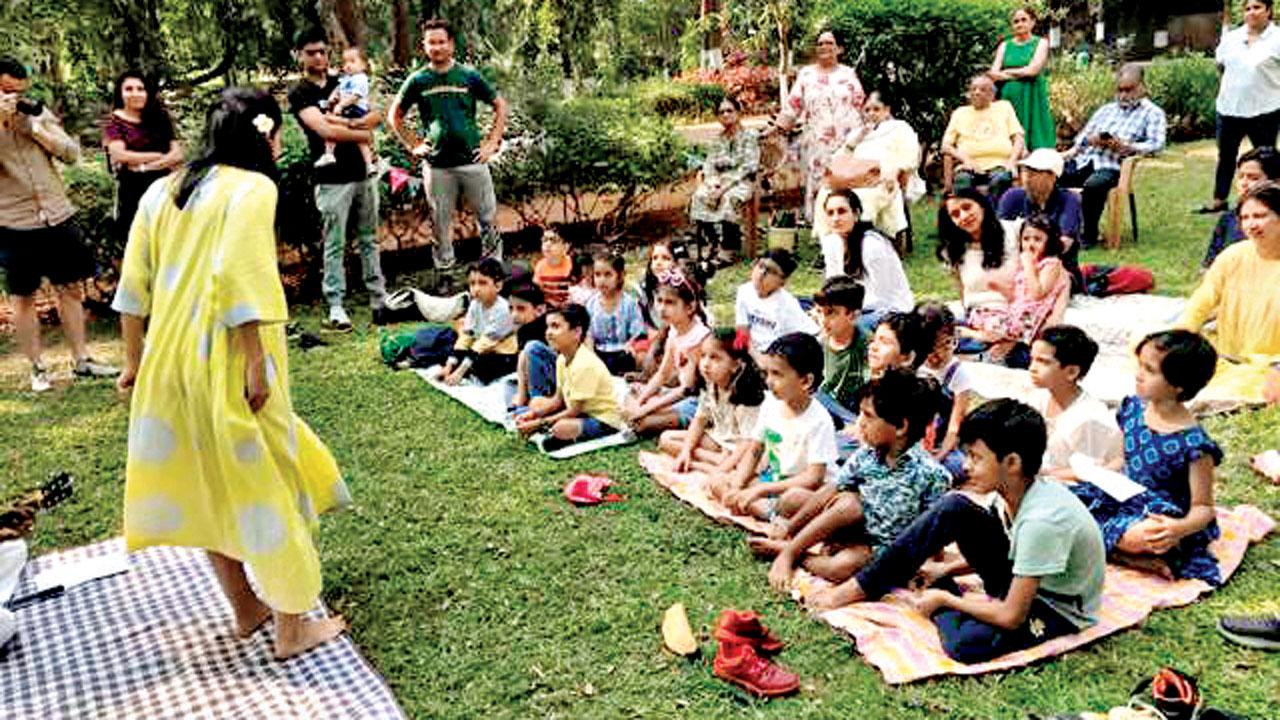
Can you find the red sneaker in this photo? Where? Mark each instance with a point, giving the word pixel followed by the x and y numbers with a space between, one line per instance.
pixel 745 626
pixel 738 663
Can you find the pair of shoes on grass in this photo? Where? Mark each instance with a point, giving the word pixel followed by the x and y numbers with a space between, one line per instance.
pixel 744 646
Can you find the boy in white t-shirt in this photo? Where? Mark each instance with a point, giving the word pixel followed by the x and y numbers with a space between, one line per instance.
pixel 764 311
pixel 794 441
pixel 1077 421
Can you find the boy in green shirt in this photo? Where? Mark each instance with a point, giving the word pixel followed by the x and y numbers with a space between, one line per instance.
pixel 844 347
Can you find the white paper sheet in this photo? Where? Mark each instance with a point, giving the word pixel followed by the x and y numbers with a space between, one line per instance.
pixel 73 574
pixel 1115 484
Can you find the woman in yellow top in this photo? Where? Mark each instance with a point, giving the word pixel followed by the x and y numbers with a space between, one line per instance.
pixel 1242 290
pixel 217 459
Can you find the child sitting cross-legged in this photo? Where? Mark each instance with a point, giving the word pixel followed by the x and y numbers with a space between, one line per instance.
pixel 730 391
pixel 793 444
pixel 880 489
pixel 1077 422
pixel 943 367
pixel 1166 529
pixel 616 321
pixel 1042 580
pixel 844 346
pixel 536 364
pixel 898 342
pixel 667 400
pixel 486 347
pixel 584 406
pixel 764 310
pixel 553 271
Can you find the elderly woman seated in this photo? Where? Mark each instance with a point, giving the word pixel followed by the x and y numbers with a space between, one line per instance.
pixel 878 162
pixel 726 183
pixel 1242 290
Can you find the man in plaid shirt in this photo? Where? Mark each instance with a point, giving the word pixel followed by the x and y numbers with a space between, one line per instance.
pixel 1132 125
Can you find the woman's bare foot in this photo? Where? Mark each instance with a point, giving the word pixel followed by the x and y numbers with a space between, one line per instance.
pixel 763 547
pixel 1146 563
pixel 296 635
pixel 251 617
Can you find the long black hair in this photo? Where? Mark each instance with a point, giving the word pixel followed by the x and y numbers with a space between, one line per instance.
pixel 747 387
pixel 952 241
pixel 155 116
pixel 232 136
pixel 853 266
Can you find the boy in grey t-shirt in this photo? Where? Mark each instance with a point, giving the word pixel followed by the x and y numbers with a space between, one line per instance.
pixel 1043 580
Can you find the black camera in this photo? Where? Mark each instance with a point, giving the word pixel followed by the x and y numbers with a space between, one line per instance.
pixel 27 106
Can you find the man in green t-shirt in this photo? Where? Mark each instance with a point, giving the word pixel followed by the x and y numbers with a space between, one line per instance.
pixel 445 94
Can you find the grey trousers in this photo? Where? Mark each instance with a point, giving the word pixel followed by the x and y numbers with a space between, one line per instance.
pixel 476 184
pixel 350 207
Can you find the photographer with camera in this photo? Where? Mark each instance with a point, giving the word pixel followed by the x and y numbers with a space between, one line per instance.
pixel 1131 125
pixel 38 238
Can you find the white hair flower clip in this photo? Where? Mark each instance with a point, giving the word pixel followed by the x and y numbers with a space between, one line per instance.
pixel 264 124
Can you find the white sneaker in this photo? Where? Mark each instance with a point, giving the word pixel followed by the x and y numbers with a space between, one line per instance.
pixel 338 319
pixel 40 381
pixel 326 160
pixel 87 367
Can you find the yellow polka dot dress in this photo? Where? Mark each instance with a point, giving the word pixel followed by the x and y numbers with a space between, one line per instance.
pixel 203 470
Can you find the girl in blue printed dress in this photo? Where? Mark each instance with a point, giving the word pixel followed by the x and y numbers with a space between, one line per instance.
pixel 1167 528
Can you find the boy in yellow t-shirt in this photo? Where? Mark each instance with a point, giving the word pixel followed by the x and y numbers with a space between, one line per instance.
pixel 585 406
pixel 985 140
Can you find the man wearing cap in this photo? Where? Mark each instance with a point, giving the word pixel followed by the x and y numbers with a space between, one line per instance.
pixel 1040 195
pixel 1131 125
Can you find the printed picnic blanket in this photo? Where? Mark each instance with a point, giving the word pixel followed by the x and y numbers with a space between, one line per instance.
pixel 490 403
pixel 1119 321
pixel 159 642
pixel 904 645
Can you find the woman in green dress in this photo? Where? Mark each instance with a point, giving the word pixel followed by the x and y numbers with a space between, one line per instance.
pixel 1020 68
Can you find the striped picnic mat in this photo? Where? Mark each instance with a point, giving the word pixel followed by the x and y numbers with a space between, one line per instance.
pixel 904 645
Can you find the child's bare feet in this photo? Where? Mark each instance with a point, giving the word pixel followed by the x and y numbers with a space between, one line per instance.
pixel 1146 563
pixel 845 593
pixel 764 547
pixel 250 617
pixel 296 635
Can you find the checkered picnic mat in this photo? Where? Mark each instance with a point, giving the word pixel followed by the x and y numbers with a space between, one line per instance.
pixel 159 642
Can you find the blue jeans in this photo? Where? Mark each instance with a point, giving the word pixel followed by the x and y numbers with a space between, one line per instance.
pixel 840 414
pixel 540 364
pixel 350 207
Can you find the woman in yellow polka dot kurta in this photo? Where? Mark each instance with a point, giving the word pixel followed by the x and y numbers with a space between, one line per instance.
pixel 217 458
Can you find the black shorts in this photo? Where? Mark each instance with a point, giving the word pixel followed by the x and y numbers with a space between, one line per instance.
pixel 57 252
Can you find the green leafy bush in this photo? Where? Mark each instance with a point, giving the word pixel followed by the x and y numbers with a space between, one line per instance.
pixel 924 52
pixel 1186 87
pixel 588 146
pixel 1075 92
pixel 683 99
pixel 92 190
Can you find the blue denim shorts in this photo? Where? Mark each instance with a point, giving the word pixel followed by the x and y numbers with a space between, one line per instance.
pixel 593 428
pixel 685 410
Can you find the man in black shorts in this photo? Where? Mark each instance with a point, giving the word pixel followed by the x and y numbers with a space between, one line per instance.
pixel 38 239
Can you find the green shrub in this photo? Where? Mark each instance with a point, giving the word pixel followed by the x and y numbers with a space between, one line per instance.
pixel 670 98
pixel 1186 87
pixel 924 52
pixel 93 190
pixel 589 145
pixel 1075 92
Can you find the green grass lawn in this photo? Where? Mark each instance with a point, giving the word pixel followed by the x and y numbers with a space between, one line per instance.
pixel 478 592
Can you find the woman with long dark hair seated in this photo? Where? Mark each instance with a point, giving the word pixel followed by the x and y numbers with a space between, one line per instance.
pixel 140 142
pixel 980 253
pixel 855 248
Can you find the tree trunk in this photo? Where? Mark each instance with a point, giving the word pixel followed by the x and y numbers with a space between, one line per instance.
pixel 352 21
pixel 402 41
